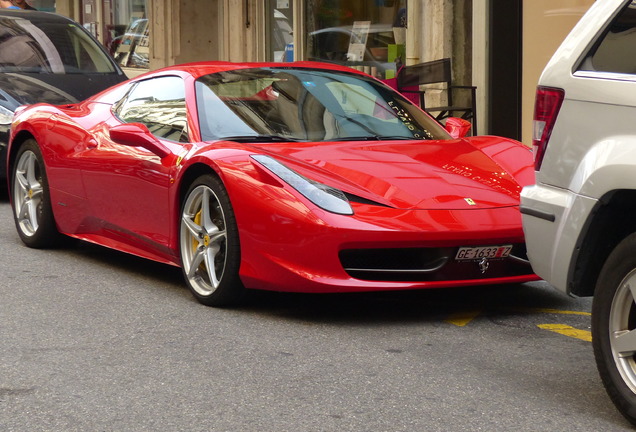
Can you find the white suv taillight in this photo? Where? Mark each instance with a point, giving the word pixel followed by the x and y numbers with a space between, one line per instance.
pixel 546 108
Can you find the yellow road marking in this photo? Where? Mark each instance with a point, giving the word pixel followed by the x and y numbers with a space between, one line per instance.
pixel 566 330
pixel 556 311
pixel 460 319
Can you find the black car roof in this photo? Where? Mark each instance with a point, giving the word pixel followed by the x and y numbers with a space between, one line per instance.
pixel 26 87
pixel 35 16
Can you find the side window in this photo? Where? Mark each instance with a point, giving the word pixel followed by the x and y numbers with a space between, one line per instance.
pixel 616 49
pixel 158 103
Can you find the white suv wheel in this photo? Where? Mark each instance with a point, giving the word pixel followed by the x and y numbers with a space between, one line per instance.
pixel 614 326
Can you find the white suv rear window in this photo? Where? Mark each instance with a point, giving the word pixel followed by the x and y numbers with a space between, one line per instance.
pixel 616 50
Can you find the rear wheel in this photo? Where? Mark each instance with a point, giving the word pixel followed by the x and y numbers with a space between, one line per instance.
pixel 209 244
pixel 614 326
pixel 31 199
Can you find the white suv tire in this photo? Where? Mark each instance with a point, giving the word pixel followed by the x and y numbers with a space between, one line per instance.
pixel 614 324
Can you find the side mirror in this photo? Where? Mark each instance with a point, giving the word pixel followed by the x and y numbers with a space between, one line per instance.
pixel 138 135
pixel 457 127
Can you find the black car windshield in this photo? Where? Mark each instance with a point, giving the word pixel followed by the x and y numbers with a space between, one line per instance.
pixel 306 105
pixel 54 46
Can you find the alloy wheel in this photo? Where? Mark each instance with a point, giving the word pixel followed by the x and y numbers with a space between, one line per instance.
pixel 622 329
pixel 203 240
pixel 28 193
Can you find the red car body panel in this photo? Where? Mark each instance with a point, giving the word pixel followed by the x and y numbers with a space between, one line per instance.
pixel 128 198
pixel 436 177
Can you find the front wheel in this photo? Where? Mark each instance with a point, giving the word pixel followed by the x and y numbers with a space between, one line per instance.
pixel 31 199
pixel 614 326
pixel 209 244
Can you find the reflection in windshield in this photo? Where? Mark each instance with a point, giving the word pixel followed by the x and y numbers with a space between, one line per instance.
pixel 48 47
pixel 306 105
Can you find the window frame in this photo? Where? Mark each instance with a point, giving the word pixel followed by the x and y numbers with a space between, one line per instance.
pixel 122 103
pixel 579 69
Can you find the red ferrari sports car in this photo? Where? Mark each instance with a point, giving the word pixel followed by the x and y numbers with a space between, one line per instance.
pixel 299 177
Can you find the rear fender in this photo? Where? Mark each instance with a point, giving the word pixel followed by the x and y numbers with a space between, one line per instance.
pixel 607 166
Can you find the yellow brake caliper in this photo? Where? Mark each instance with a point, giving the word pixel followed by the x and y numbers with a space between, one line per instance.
pixel 195 242
pixel 197 220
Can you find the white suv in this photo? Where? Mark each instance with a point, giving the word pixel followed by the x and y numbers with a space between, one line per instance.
pixel 580 217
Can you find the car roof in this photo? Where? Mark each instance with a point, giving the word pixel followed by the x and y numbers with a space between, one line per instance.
pixel 199 69
pixel 35 16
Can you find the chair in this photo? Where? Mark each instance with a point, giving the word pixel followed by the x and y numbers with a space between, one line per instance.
pixel 410 78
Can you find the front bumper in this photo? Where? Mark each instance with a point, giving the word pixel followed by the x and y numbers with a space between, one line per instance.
pixel 394 250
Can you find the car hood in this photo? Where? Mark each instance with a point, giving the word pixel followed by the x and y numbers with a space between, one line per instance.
pixel 57 89
pixel 450 174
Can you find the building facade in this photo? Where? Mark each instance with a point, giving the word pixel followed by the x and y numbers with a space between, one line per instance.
pixel 500 46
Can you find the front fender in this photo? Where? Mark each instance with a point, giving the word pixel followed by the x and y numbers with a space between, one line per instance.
pixel 513 156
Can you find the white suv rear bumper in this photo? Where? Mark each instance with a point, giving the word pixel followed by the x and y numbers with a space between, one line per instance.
pixel 553 219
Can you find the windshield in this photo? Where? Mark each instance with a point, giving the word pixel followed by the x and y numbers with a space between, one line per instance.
pixel 306 105
pixel 49 47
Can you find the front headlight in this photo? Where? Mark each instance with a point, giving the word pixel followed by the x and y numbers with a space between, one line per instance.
pixel 6 116
pixel 325 197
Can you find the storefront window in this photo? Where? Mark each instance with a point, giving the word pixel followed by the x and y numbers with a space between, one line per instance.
pixel 368 35
pixel 127 38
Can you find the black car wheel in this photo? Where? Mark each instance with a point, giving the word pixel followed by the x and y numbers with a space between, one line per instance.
pixel 614 326
pixel 209 244
pixel 31 199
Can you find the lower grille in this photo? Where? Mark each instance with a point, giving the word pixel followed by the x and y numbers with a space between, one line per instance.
pixel 428 264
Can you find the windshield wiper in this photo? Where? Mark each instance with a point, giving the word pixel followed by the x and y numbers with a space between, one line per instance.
pixel 373 138
pixel 396 138
pixel 259 138
pixel 373 135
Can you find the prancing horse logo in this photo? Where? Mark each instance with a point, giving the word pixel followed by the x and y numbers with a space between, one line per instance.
pixel 470 201
pixel 483 265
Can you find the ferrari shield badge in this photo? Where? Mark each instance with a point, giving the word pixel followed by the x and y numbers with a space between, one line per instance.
pixel 470 201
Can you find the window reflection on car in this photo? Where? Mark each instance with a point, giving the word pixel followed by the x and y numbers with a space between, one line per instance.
pixel 56 47
pixel 160 105
pixel 307 105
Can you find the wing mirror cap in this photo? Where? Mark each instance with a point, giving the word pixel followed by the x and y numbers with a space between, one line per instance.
pixel 138 135
pixel 457 127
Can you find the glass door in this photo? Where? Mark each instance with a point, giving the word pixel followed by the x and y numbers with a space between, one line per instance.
pixel 279 30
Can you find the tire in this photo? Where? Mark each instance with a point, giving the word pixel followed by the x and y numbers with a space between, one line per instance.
pixel 209 244
pixel 614 326
pixel 31 199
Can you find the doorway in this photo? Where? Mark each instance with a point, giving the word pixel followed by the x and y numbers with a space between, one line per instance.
pixel 505 66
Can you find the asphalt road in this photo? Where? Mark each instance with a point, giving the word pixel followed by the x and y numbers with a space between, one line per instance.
pixel 94 340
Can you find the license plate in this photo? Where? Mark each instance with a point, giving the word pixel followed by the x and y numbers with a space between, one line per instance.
pixel 476 253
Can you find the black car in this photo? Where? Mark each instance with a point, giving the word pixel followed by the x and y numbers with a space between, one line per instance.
pixel 46 57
